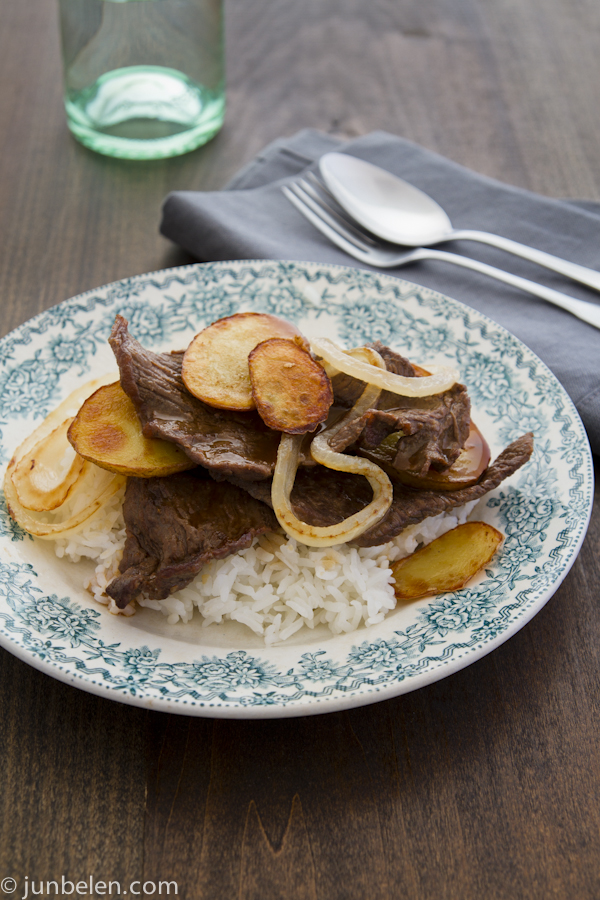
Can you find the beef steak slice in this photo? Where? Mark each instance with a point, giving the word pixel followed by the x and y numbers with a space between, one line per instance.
pixel 324 497
pixel 411 507
pixel 175 525
pixel 431 430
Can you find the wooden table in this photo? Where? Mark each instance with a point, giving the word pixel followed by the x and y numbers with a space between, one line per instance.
pixel 484 785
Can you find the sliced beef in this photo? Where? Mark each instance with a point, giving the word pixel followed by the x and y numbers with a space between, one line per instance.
pixel 432 430
pixel 320 496
pixel 411 507
pixel 323 497
pixel 229 442
pixel 175 525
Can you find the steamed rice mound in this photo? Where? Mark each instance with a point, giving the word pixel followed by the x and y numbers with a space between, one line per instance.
pixel 276 586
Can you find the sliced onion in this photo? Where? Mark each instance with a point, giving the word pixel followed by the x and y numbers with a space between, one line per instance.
pixel 369 397
pixel 287 465
pixel 441 379
pixel 82 490
pixel 94 489
pixel 45 476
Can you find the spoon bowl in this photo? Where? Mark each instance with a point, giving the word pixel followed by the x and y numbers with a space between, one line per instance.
pixel 391 208
pixel 402 214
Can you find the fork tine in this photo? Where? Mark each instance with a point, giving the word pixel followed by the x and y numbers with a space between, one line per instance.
pixel 319 223
pixel 314 210
pixel 320 193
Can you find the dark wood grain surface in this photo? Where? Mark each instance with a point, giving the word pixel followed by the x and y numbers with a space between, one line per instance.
pixel 484 785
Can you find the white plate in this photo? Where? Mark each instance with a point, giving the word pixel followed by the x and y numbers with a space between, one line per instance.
pixel 49 621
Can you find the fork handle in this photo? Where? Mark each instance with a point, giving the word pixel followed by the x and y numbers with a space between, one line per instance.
pixel 572 270
pixel 584 310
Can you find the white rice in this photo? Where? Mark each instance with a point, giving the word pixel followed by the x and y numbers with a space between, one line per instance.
pixel 276 586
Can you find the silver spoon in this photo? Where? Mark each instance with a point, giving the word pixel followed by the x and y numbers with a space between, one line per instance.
pixel 400 213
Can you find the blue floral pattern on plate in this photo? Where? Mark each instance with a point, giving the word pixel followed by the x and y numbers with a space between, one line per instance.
pixel 51 622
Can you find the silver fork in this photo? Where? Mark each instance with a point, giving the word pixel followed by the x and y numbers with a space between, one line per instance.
pixel 318 207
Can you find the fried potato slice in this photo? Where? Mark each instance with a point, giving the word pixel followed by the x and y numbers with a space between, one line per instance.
pixel 107 432
pixel 447 563
pixel 215 365
pixel 291 390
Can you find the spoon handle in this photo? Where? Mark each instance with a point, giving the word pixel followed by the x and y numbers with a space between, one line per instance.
pixel 584 310
pixel 586 276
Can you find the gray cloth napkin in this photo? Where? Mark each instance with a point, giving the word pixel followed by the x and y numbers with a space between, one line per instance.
pixel 251 219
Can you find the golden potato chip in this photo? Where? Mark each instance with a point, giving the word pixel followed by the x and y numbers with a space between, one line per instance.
pixel 447 563
pixel 291 390
pixel 215 365
pixel 107 432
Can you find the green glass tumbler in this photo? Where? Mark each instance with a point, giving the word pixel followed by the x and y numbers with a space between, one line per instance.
pixel 144 79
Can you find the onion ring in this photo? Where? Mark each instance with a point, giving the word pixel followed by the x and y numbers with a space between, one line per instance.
pixel 441 379
pixel 92 487
pixel 287 465
pixel 102 484
pixel 44 477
